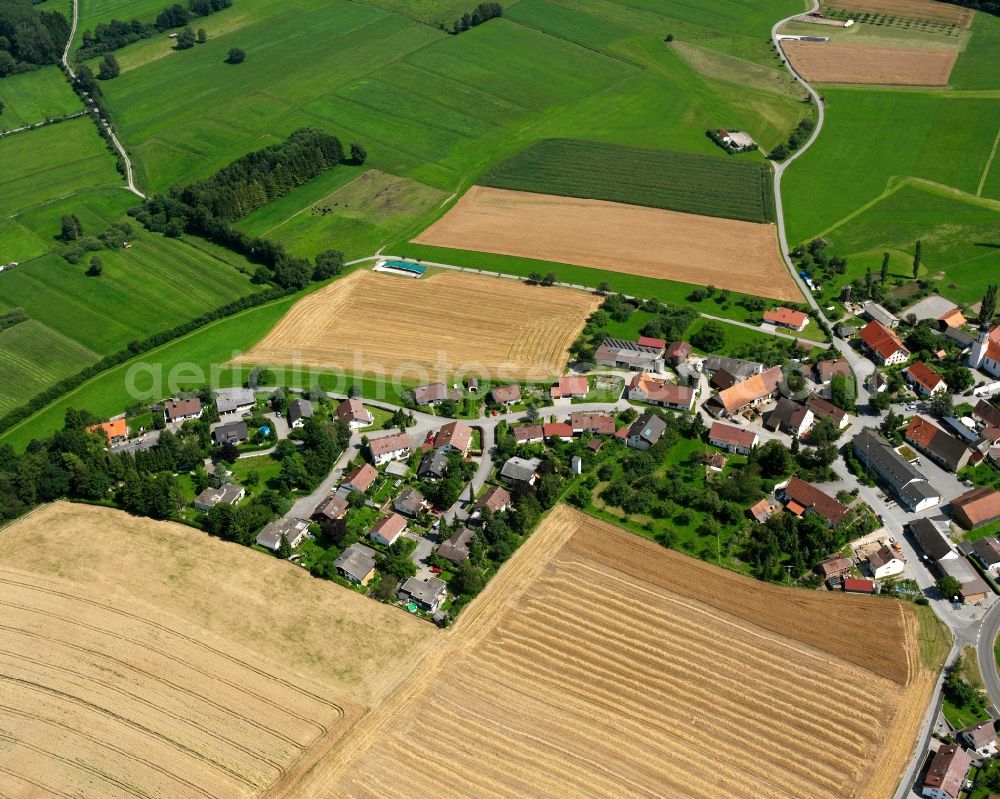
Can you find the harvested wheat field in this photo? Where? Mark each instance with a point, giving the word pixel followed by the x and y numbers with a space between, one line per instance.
pixel 908 9
pixel 830 62
pixel 143 658
pixel 598 664
pixel 451 321
pixel 636 240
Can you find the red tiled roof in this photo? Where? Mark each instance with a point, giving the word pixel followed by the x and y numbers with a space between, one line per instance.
pixel 921 373
pixel 728 434
pixel 977 506
pixel 362 477
pixel 117 428
pixel 921 431
pixel 380 446
pixel 650 341
pixel 859 585
pixel 457 434
pixel 754 388
pixel 570 385
pixel 953 318
pixel 593 422
pixel 881 339
pixel 558 429
pixel 786 316
pixel 814 499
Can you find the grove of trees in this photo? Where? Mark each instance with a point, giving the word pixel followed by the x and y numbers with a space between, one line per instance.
pixel 113 35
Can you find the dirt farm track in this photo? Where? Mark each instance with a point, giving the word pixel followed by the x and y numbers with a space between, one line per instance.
pixel 704 250
pixel 601 665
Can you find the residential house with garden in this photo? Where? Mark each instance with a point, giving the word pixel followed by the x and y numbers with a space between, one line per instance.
pixel 298 411
pixel 389 448
pixel 354 412
pixel 732 439
pixel 356 564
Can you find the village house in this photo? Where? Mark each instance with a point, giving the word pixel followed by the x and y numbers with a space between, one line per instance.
pixel 924 380
pixel 528 433
pixel 454 437
pixel 936 444
pixel 520 470
pixel 570 386
pixel 988 415
pixel 789 417
pixel 677 352
pixel 410 502
pixel 355 413
pixel 985 352
pixel 115 431
pixel 932 541
pixel 232 401
pixel 645 431
pixel 333 506
pixel 599 423
pixel 506 395
pixel 976 507
pixel 748 394
pixel 883 344
pixel 737 368
pixel 230 433
pixel 973 587
pixel 987 551
pixel 228 494
pixel 886 562
pixel 823 409
pixel 435 393
pixel 617 353
pixel 294 530
pixel 876 313
pixel 946 775
pixel 645 387
pixel 786 317
pixel 761 511
pixel 907 484
pixel 356 564
pixel 433 466
pixel 360 479
pixel 827 370
pixel 298 411
pixel 495 498
pixel 835 568
pixel 732 439
pixel 181 410
pixel 388 529
pixel 981 738
pixel 389 448
pixel 561 430
pixel 456 548
pixel 428 594
pixel 801 498
pixel 858 585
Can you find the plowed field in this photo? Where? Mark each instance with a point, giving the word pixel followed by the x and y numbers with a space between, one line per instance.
pixel 600 665
pixel 140 658
pixel 376 323
pixel 636 240
pixel 830 62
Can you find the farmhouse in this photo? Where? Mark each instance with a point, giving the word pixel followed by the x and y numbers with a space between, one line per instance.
pixel 333 506
pixel 974 587
pixel 876 313
pixel 790 418
pixel 497 499
pixel 506 395
pixel 426 594
pixel 908 485
pixel 943 449
pixel 677 352
pixel 835 568
pixel 561 430
pixel 748 394
pixel 801 497
pixel 883 344
pixel 925 380
pixel 234 400
pixel 298 411
pixel 732 439
pixel 570 386
pixel 600 423
pixel 433 466
pixel 739 369
pixel 410 502
pixel 434 393
pixel 456 548
pixel 355 413
pixel 230 433
pixel 454 437
pixel 946 775
pixel 985 353
pixel 987 551
pixel 827 370
pixel 520 470
pixel 179 410
pixel 114 431
pixel 356 564
pixel 931 540
pixel 976 507
pixel 656 391
pixel 646 431
pixel 823 409
pixel 786 317
pixel 389 448
pixel 228 494
pixel 620 354
pixel 736 139
pixel 981 738
pixel 388 529
pixel 528 433
pixel 294 530
pixel 885 562
pixel 360 479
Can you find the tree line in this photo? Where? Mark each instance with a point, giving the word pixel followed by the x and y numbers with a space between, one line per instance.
pixel 113 35
pixel 12 317
pixel 480 14
pixel 796 139
pixel 986 6
pixel 29 38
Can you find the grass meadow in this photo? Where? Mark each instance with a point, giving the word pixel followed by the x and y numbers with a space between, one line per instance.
pixel 976 66
pixel 36 96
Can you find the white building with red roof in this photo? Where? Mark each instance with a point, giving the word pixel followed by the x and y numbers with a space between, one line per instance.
pixel 925 380
pixel 883 344
pixel 786 317
pixel 985 352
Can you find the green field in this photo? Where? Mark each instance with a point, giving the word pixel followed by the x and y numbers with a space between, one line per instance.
pixel 699 184
pixel 976 66
pixel 36 96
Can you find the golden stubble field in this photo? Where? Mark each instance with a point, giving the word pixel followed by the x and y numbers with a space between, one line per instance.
pixel 651 242
pixel 833 62
pixel 143 658
pixel 600 665
pixel 440 324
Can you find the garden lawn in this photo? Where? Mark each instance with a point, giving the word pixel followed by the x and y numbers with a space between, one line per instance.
pixel 962 717
pixel 265 467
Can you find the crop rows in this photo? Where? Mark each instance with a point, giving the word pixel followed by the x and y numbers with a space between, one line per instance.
pixel 698 184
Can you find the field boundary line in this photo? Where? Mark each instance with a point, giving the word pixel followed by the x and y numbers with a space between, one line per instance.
pixel 582 46
pixel 896 182
pixel 989 163
pixel 309 207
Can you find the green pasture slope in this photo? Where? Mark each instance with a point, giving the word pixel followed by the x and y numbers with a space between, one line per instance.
pixel 36 96
pixel 699 184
